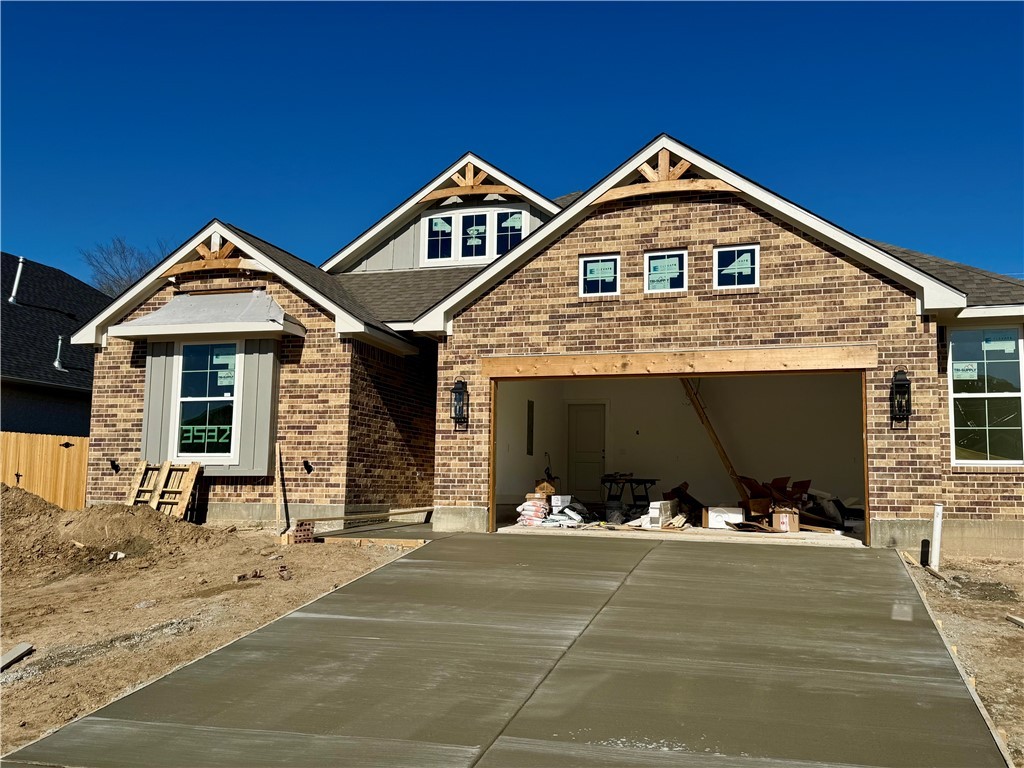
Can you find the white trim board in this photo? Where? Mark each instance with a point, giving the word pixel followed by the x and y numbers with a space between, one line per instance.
pixel 359 247
pixel 932 294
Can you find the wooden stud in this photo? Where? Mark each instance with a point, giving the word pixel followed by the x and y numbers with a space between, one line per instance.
pixel 1015 620
pixel 477 180
pixel 204 252
pixel 467 189
pixel 647 172
pixel 658 187
pixel 202 265
pixel 664 164
pixel 703 361
pixel 468 174
pixel 225 250
pixel 136 485
pixel 678 170
pixel 698 408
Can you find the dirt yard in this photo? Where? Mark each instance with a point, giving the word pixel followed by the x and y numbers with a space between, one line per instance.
pixel 973 616
pixel 103 627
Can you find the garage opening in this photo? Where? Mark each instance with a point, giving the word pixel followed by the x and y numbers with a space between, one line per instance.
pixel 805 427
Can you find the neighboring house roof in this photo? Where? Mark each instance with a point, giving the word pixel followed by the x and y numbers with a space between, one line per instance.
pixel 568 199
pixel 932 293
pixel 402 296
pixel 415 205
pixel 983 288
pixel 49 303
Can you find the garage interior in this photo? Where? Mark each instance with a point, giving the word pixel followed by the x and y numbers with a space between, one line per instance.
pixel 806 426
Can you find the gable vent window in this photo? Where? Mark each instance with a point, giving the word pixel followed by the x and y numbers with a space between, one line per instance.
pixel 473 235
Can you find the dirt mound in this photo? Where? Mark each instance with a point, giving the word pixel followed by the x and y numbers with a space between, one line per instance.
pixel 40 537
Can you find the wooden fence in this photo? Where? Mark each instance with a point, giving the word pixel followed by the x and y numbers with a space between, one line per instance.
pixel 51 466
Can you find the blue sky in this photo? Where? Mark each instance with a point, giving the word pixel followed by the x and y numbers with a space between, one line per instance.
pixel 306 123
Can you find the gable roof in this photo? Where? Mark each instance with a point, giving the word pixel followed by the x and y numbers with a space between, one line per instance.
pixel 983 288
pixel 932 293
pixel 400 296
pixel 414 205
pixel 49 303
pixel 351 318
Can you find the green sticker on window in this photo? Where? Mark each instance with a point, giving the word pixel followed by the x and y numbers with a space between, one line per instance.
pixel 965 371
pixel 600 270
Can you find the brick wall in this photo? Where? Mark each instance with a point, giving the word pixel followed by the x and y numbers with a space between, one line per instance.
pixel 313 405
pixel 808 294
pixel 391 427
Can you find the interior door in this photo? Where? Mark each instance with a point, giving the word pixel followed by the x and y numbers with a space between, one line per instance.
pixel 586 450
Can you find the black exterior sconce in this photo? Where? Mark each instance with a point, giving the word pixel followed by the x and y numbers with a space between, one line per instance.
pixel 900 409
pixel 460 405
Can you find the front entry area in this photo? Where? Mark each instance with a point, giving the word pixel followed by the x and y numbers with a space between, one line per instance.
pixel 482 651
pixel 807 427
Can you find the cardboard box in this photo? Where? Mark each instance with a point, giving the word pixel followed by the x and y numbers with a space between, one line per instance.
pixel 717 517
pixel 760 506
pixel 786 521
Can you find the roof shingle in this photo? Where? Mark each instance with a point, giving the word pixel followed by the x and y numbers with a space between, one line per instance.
pixel 402 296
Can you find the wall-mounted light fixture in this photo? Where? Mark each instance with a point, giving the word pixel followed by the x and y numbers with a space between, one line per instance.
pixel 460 405
pixel 900 408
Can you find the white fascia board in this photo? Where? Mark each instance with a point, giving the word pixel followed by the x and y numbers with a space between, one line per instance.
pixel 129 331
pixel 95 331
pixel 932 294
pixel 357 248
pixel 1015 311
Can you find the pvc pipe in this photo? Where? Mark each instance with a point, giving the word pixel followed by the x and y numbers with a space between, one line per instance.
pixel 17 279
pixel 933 554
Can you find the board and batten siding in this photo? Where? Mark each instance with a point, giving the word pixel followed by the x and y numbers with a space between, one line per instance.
pixel 258 408
pixel 402 250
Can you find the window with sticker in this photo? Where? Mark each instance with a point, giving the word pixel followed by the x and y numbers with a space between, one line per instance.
pixel 208 386
pixel 471 234
pixel 737 266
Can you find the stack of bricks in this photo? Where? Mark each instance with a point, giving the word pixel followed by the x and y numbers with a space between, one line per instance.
pixel 300 533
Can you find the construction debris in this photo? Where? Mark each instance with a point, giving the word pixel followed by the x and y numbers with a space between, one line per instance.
pixel 16 654
pixel 165 487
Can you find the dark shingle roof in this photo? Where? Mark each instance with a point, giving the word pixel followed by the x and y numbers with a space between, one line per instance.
pixel 49 303
pixel 568 199
pixel 315 278
pixel 982 287
pixel 399 297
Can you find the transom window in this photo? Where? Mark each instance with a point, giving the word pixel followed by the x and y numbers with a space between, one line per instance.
pixel 665 271
pixel 208 385
pixel 472 234
pixel 737 266
pixel 985 372
pixel 599 275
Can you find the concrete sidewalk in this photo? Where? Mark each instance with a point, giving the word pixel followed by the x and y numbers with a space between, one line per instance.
pixel 483 650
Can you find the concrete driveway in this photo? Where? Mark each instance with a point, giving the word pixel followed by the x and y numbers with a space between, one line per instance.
pixel 483 650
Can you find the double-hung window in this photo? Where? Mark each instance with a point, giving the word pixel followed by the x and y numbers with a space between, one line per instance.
pixel 665 271
pixel 985 372
pixel 737 266
pixel 207 403
pixel 474 235
pixel 599 275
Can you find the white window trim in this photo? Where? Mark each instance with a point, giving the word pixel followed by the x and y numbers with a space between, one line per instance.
pixel 456 215
pixel 618 274
pixel 685 270
pixel 978 395
pixel 739 246
pixel 216 459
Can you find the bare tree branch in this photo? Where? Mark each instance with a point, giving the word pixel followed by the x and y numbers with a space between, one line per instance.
pixel 117 265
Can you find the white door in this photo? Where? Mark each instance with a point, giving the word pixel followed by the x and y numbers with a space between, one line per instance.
pixel 586 450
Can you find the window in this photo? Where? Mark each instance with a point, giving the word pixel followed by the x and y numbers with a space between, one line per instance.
pixel 207 389
pixel 477 234
pixel 665 272
pixel 599 275
pixel 985 369
pixel 737 266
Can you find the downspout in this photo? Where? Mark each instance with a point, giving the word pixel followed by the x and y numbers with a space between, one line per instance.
pixel 17 279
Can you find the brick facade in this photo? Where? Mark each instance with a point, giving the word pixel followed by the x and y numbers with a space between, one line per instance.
pixel 809 294
pixel 325 384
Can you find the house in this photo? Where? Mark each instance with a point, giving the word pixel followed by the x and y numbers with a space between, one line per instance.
pixel 563 329
pixel 45 381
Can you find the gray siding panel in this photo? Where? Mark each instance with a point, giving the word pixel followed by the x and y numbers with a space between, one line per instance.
pixel 156 415
pixel 258 408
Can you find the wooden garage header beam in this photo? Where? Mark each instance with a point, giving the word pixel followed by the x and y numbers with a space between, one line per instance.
pixel 780 359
